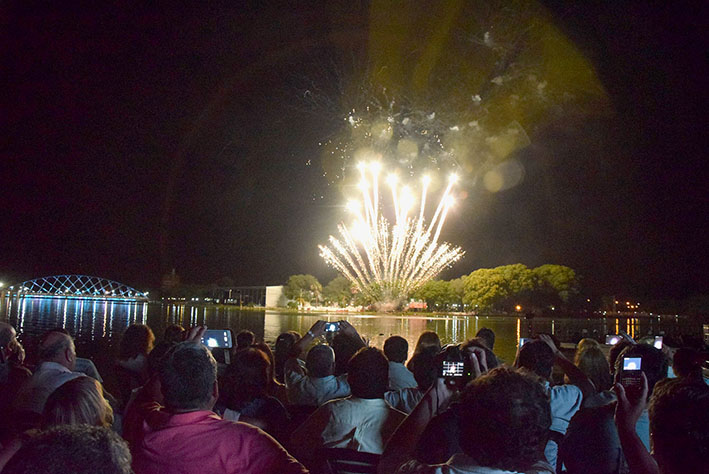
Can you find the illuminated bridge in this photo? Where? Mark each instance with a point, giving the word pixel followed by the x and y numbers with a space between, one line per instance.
pixel 78 286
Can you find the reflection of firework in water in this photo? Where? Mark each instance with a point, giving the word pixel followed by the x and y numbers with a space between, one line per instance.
pixel 387 263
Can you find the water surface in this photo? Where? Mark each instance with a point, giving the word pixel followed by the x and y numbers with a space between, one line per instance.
pixel 98 325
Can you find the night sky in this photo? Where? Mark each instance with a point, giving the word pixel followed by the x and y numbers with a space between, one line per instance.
pixel 140 138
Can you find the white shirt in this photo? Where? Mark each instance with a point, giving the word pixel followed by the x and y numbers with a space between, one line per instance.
pixel 314 391
pixel 405 399
pixel 565 401
pixel 360 424
pixel 46 379
pixel 400 377
pixel 463 464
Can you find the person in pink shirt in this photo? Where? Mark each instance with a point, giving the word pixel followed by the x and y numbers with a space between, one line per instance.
pixel 185 436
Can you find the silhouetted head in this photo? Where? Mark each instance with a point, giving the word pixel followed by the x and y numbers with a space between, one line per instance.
pixel 425 368
pixel 263 347
pixel 487 336
pixel 7 334
pixel 504 420
pixel 396 349
pixel 428 339
pixel 320 361
pixel 188 375
pixel 679 427
pixel 137 340
pixel 592 362
pixel 585 343
pixel 174 333
pixel 284 343
pixel 368 373
pixel 246 378
pixel 7 338
pixel 536 356
pixel 244 339
pixel 687 362
pixel 344 347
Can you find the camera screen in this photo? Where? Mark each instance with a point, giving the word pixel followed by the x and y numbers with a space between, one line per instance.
pixel 217 338
pixel 453 369
pixel 612 339
pixel 658 342
pixel 332 327
pixel 632 363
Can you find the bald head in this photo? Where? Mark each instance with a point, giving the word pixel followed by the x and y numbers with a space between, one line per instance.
pixel 58 346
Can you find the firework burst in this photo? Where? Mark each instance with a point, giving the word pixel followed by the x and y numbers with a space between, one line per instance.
pixel 388 262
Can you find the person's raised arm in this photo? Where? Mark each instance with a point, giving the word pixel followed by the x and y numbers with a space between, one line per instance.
pixel 317 330
pixel 402 443
pixel 627 413
pixel 349 330
pixel 292 365
pixel 575 375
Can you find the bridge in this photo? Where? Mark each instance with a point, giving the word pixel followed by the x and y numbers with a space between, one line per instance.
pixel 78 286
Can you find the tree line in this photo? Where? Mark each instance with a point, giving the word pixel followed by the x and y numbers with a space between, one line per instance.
pixel 505 288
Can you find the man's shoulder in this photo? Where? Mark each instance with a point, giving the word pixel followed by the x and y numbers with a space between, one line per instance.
pixel 565 397
pixel 565 391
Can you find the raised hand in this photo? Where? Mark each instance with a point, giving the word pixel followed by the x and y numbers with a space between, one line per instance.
pixel 195 334
pixel 630 404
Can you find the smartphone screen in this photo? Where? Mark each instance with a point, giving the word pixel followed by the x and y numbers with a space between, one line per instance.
pixel 630 376
pixel 451 368
pixel 332 327
pixel 217 338
pixel 632 363
pixel 658 342
pixel 613 339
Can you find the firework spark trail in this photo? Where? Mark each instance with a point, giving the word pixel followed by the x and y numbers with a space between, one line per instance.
pixel 387 263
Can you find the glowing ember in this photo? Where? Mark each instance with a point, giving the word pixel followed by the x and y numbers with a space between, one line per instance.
pixel 387 263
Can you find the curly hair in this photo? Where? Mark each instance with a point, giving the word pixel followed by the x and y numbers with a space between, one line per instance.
pixel 137 339
pixel 246 378
pixel 81 449
pixel 504 420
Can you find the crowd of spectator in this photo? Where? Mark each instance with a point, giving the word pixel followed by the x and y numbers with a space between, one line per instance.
pixel 453 409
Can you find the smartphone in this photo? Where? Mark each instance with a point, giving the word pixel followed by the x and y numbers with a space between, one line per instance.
pixel 613 339
pixel 524 340
pixel 630 376
pixel 658 342
pixel 452 368
pixel 332 327
pixel 217 338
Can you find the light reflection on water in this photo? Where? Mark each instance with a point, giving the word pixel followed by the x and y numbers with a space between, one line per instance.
pixel 98 324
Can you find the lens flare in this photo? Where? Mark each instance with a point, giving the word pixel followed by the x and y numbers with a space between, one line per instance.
pixel 385 262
